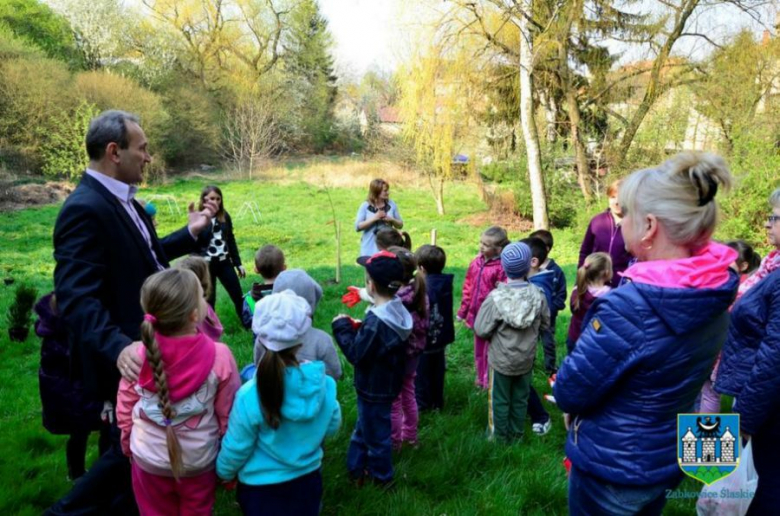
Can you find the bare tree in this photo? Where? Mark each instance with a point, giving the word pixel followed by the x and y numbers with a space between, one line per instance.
pixel 252 133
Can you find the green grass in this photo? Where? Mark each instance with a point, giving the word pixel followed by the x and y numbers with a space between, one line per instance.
pixel 455 471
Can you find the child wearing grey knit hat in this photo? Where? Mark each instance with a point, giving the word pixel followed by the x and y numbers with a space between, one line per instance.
pixel 511 317
pixel 317 344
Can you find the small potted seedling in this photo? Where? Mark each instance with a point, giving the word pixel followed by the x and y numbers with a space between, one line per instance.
pixel 20 311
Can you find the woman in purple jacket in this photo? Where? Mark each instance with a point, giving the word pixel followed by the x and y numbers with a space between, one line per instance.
pixel 605 235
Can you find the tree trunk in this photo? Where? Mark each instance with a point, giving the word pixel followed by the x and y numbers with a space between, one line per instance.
pixel 440 197
pixel 575 118
pixel 538 197
pixel 654 85
pixel 437 187
pixel 550 110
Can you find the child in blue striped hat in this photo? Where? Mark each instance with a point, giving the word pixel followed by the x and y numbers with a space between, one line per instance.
pixel 511 317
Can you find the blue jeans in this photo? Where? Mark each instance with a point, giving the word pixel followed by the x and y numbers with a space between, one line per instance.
pixel 536 411
pixel 370 449
pixel 589 495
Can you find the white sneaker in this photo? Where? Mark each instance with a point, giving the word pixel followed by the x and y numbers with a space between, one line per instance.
pixel 541 428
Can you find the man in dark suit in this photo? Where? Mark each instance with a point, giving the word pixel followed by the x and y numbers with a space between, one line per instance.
pixel 106 246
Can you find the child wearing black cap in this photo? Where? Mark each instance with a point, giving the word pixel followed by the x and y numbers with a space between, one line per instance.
pixel 376 349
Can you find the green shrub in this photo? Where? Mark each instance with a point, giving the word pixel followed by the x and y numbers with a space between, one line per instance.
pixel 64 154
pixel 19 313
pixel 563 195
pixel 190 107
pixel 35 94
pixel 109 91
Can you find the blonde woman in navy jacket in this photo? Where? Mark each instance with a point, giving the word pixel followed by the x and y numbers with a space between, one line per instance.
pixel 647 347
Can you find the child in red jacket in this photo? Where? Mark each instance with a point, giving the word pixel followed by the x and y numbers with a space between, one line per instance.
pixel 484 273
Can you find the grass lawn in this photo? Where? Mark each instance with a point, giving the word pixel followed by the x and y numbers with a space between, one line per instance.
pixel 455 471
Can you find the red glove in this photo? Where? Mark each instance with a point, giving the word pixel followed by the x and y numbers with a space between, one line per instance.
pixel 352 297
pixel 230 486
pixel 356 323
pixel 567 465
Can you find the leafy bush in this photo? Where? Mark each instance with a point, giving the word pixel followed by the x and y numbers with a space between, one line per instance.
pixel 64 154
pixel 109 91
pixel 35 94
pixel 754 163
pixel 563 196
pixel 19 312
pixel 190 107
pixel 39 26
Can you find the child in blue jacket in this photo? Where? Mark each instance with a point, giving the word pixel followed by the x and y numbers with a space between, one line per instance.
pixel 558 300
pixel 544 280
pixel 377 351
pixel 280 418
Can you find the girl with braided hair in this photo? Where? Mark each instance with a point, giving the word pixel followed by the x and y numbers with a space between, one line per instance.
pixel 173 417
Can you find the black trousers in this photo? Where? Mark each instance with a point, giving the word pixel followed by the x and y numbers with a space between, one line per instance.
pixel 227 276
pixel 105 489
pixel 76 449
pixel 429 384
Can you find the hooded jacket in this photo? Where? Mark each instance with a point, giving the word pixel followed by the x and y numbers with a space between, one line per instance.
pixel 482 276
pixel 750 365
pixel 415 344
pixel 512 317
pixel 260 455
pixel 545 281
pixel 559 287
pixel 441 328
pixel 66 406
pixel 377 350
pixel 643 355
pixel 316 344
pixel 202 381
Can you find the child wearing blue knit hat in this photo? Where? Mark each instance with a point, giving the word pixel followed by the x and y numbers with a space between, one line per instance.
pixel 511 317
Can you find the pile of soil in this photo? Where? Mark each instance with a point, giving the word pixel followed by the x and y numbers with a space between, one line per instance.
pixel 19 197
pixel 506 219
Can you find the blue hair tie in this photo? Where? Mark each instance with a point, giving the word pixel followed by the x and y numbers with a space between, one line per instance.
pixel 167 422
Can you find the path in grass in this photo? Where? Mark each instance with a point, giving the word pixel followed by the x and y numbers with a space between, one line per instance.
pixel 455 471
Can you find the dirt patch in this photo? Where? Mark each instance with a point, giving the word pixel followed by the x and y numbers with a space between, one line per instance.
pixel 19 197
pixel 512 222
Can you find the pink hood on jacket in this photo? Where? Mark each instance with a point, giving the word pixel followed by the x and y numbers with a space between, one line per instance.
pixel 708 268
pixel 188 361
pixel 482 277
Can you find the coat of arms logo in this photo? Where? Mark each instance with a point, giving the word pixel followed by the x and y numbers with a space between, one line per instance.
pixel 708 445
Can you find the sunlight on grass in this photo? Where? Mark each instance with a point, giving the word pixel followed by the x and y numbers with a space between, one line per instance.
pixel 455 471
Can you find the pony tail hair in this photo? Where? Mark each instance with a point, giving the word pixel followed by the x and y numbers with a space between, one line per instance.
pixel 596 266
pixel 420 295
pixel 582 287
pixel 270 390
pixel 154 357
pixel 407 240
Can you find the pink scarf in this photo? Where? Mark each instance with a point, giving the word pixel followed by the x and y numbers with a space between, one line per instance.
pixel 768 265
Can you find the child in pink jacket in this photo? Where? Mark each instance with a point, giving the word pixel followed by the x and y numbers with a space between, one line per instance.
pixel 483 275
pixel 404 414
pixel 173 417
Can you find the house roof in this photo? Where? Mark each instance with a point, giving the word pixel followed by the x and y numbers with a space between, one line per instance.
pixel 389 115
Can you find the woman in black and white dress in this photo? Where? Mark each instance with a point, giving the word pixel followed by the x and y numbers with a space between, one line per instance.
pixel 221 251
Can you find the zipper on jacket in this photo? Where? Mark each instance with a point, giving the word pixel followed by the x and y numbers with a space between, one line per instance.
pixel 479 280
pixel 577 423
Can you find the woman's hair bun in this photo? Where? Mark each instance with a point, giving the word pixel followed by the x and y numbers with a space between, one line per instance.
pixel 705 171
